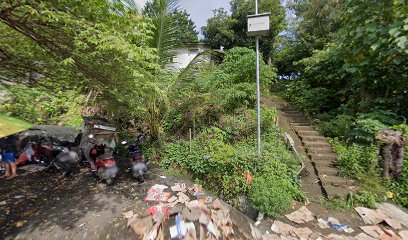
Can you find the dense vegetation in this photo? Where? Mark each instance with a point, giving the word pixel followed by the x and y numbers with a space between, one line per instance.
pixel 343 62
pixel 347 66
pixel 109 58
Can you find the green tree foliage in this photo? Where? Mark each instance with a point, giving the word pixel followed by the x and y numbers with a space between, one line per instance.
pixel 99 47
pixel 186 32
pixel 167 34
pixel 313 26
pixel 215 90
pixel 231 31
pixel 218 30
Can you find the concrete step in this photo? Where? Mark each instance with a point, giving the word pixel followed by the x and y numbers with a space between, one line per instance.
pixel 323 156
pixel 296 124
pixel 337 192
pixel 326 170
pixel 336 181
pixel 313 138
pixel 324 163
pixel 292 112
pixel 308 133
pixel 316 144
pixel 321 150
pixel 304 128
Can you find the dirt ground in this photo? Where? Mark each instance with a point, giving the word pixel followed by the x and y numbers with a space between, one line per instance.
pixel 39 206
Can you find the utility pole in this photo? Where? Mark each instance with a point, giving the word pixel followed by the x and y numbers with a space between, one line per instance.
pixel 258 25
pixel 258 87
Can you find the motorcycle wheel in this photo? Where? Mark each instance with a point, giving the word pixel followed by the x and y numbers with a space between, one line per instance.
pixel 109 181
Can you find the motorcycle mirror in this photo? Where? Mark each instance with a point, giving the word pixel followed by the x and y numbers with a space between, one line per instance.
pixel 124 142
pixel 91 136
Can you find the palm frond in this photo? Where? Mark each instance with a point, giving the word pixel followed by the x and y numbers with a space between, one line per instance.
pixel 164 38
pixel 188 74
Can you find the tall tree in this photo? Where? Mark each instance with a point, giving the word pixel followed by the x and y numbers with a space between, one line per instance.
pixel 185 27
pixel 218 31
pixel 234 28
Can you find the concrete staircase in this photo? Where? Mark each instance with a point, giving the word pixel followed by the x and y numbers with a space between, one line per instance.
pixel 319 152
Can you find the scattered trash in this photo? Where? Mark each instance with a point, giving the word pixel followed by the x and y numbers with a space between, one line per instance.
pixel 172 199
pixel 373 231
pixel 3 203
pixel 81 225
pixel 128 215
pixel 334 223
pixel 259 218
pixel 323 224
pixel 20 223
pixel 179 187
pixel 303 215
pixel 163 177
pixel 248 178
pixel 18 196
pixel 371 216
pixel 156 194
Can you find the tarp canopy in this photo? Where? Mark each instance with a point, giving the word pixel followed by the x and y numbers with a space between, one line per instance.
pixel 61 135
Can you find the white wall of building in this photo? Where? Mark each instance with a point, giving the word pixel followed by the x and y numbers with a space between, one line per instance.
pixel 186 54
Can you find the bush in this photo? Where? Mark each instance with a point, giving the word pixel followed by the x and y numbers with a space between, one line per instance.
pixel 339 127
pixel 221 166
pixel 356 160
pixel 366 129
pixel 272 195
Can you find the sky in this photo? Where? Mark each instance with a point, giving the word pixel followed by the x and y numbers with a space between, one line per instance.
pixel 199 10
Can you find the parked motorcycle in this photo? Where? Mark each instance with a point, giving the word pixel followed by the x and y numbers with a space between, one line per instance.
pixel 55 158
pixel 135 152
pixel 104 165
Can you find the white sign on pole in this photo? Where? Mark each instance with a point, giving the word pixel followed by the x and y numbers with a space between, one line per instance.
pixel 258 24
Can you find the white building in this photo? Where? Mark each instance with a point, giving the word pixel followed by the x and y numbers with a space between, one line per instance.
pixel 186 54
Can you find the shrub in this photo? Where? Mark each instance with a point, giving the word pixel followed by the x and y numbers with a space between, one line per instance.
pixel 355 160
pixel 221 166
pixel 339 127
pixel 272 195
pixel 366 129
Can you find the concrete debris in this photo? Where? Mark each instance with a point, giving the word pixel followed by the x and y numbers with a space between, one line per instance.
pixel 337 237
pixel 269 236
pixel 371 216
pixel 303 215
pixel 395 224
pixel 404 234
pixel 282 228
pixel 394 212
pixel 389 235
pixel 363 236
pixel 256 234
pixel 303 233
pixel 373 231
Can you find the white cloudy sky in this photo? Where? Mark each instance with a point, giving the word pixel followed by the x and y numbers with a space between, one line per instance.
pixel 200 10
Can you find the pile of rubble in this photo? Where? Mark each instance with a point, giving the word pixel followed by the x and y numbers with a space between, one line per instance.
pixel 386 223
pixel 189 214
